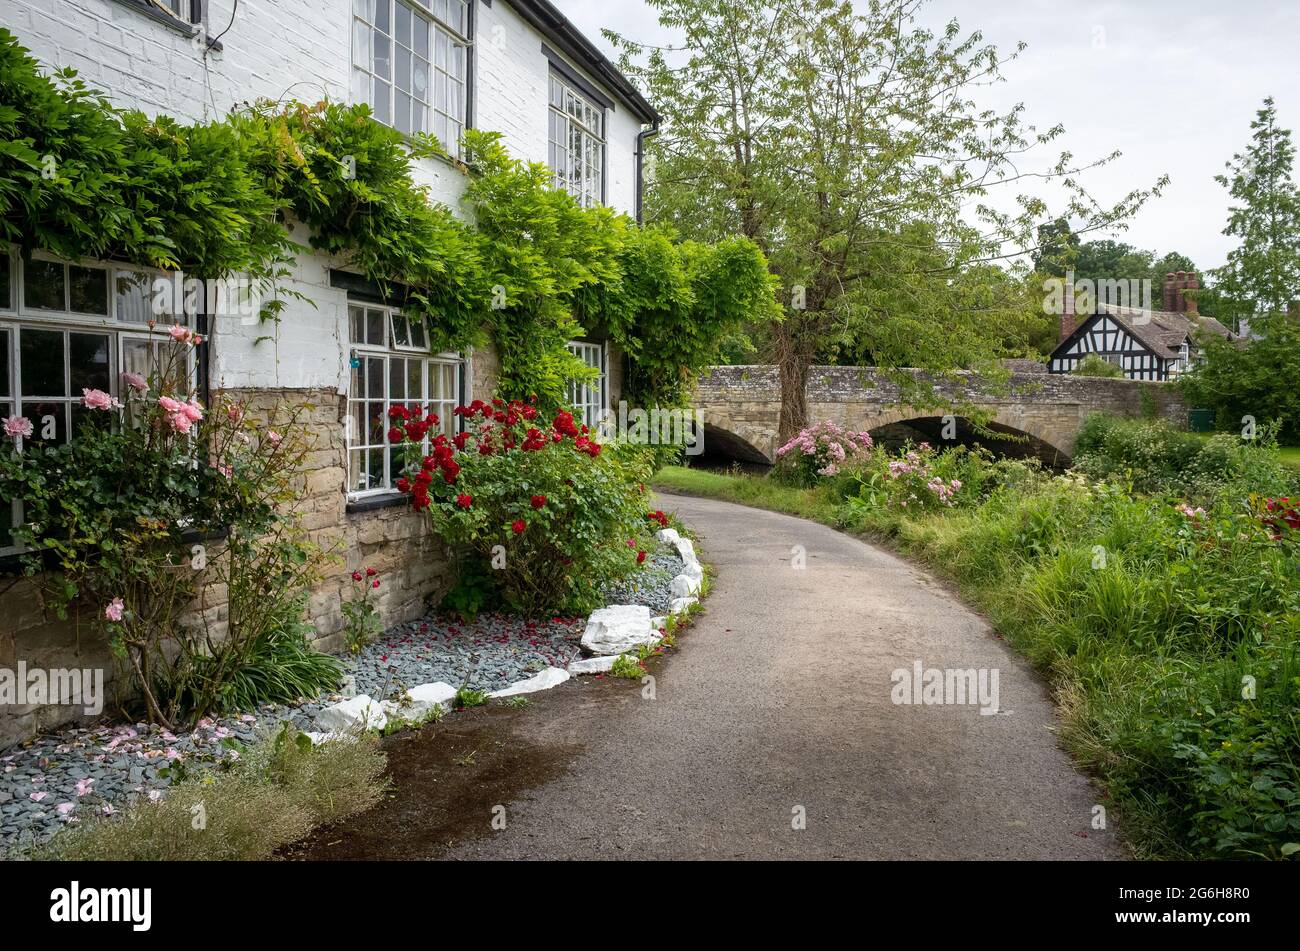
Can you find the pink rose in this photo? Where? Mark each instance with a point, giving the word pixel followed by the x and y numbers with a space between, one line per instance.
pixel 193 411
pixel 98 399
pixel 135 381
pixel 18 426
pixel 169 404
pixel 114 611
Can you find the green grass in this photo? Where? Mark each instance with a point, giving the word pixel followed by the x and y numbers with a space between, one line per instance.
pixel 817 505
pixel 1291 456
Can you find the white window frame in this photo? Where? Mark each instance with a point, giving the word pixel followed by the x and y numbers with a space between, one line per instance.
pixel 387 350
pixel 588 186
pixel 590 400
pixel 18 317
pixel 447 66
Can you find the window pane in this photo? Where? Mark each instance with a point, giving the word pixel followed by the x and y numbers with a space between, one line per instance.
pixel 89 362
pixel 355 480
pixel 89 289
pixel 375 328
pixel 383 54
pixel 43 285
pixel 414 383
pixel 401 331
pixel 6 302
pixel 402 70
pixel 402 112
pixel 364 8
pixel 49 419
pixel 133 292
pixel 420 78
pixel 376 467
pixel 375 377
pixel 4 366
pixel 382 9
pixel 360 45
pixel 376 428
pixel 403 21
pixel 397 381
pixel 41 359
pixel 440 46
pixel 356 325
pixel 422 37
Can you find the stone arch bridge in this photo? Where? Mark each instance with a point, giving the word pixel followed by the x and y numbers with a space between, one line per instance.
pixel 1041 412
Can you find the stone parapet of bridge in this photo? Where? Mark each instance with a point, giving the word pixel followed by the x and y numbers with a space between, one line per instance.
pixel 741 405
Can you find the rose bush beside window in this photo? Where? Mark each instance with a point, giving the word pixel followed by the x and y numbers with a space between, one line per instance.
pixel 549 515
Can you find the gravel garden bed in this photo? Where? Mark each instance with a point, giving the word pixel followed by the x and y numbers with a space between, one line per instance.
pixel 62 777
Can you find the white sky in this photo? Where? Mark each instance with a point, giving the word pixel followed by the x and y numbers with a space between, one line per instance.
pixel 1173 84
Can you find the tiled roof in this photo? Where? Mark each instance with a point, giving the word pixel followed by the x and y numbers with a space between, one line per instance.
pixel 1164 332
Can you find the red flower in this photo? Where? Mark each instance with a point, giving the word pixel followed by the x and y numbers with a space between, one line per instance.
pixel 404 485
pixel 461 439
pixel 518 527
pixel 450 469
pixel 395 435
pixel 375 585
pixel 464 501
pixel 564 424
pixel 356 576
pixel 538 501
pixel 370 572
pixel 640 557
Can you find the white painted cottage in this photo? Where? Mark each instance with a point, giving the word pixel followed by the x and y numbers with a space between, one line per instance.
pixel 518 67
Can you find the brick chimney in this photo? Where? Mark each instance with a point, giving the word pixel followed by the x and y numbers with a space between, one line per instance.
pixel 1193 284
pixel 1169 294
pixel 1068 321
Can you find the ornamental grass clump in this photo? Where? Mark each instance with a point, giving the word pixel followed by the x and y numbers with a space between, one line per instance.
pixel 548 514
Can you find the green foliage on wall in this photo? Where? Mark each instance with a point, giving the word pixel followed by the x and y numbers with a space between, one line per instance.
pixel 82 179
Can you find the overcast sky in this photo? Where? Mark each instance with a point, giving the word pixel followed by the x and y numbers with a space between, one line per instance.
pixel 1174 84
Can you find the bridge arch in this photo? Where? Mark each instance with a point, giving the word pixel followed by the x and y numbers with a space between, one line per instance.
pixel 1021 441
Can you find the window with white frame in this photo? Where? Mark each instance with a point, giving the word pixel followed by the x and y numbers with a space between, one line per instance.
pixel 410 63
pixel 577 143
pixel 589 399
pixel 65 328
pixel 392 366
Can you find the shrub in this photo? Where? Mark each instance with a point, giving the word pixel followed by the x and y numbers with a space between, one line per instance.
pixel 362 621
pixel 553 514
pixel 1094 365
pixel 272 796
pixel 822 449
pixel 153 502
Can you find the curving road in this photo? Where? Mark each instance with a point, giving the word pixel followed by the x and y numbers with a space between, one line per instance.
pixel 776 707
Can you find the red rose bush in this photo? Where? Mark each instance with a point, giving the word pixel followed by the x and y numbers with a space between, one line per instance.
pixel 543 509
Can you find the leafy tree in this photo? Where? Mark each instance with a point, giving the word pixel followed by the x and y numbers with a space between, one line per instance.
pixel 848 147
pixel 1258 380
pixel 1262 275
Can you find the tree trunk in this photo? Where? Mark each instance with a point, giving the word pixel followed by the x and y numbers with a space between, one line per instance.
pixel 793 364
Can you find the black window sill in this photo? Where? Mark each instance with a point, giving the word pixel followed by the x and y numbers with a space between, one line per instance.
pixel 147 9
pixel 377 504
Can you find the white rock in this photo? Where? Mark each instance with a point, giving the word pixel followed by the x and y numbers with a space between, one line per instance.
pixel 548 678
pixel 693 569
pixel 679 605
pixel 593 665
pixel 424 699
pixel 358 713
pixel 683 586
pixel 686 549
pixel 617 629
pixel 668 536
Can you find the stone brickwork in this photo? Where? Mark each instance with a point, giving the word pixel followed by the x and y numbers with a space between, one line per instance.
pixel 741 404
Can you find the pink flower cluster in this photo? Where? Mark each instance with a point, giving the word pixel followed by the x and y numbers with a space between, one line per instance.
pixel 944 490
pixel 830 444
pixel 1189 512
pixel 184 335
pixel 182 416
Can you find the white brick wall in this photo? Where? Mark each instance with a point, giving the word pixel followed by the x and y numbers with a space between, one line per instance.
pixel 299 49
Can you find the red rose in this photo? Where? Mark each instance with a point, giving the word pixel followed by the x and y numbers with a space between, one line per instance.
pixel 640 557
pixel 461 439
pixel 404 485
pixel 375 585
pixel 395 435
pixel 370 572
pixel 464 501
pixel 518 527
pixel 538 501
pixel 356 576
